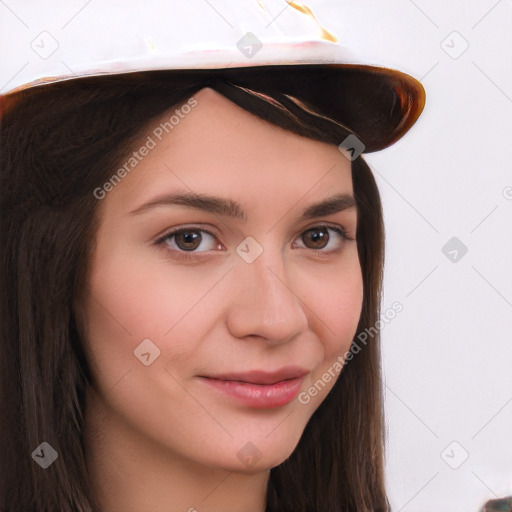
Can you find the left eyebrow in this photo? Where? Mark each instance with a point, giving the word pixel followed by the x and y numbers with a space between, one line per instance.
pixel 328 206
pixel 229 208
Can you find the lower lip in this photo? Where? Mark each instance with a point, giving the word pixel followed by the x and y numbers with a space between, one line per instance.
pixel 259 396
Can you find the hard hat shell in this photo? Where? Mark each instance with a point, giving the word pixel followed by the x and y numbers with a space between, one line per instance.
pixel 279 44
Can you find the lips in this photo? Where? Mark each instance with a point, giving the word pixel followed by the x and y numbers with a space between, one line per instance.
pixel 257 388
pixel 261 377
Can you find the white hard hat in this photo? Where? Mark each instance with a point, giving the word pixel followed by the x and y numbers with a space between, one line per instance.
pixel 279 40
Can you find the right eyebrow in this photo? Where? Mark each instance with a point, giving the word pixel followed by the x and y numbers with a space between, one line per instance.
pixel 219 205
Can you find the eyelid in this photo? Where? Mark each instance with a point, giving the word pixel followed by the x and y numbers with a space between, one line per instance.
pixel 332 225
pixel 169 231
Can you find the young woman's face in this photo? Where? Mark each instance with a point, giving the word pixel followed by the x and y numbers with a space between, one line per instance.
pixel 191 337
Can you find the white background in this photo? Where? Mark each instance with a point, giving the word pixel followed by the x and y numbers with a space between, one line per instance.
pixel 447 356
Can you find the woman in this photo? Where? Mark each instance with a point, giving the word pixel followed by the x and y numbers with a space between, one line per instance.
pixel 189 257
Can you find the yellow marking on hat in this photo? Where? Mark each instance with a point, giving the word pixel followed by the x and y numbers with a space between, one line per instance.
pixel 328 36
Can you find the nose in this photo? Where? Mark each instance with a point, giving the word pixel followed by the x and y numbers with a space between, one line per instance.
pixel 263 302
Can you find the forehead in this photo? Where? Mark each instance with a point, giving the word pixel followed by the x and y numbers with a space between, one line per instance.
pixel 215 146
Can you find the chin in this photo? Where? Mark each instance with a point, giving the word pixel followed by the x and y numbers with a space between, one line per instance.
pixel 254 457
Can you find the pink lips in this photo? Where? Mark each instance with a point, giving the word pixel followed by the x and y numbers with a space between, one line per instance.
pixel 258 388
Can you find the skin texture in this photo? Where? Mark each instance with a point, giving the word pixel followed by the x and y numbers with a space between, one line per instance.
pixel 158 437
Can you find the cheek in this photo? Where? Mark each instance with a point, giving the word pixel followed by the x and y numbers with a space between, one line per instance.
pixel 133 298
pixel 145 296
pixel 335 297
pixel 337 306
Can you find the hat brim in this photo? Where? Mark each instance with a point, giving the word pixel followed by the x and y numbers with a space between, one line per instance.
pixel 379 105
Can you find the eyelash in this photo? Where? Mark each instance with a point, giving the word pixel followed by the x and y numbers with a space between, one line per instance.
pixel 193 256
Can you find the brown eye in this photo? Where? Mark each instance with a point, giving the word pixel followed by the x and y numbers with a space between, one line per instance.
pixel 318 237
pixel 324 239
pixel 189 244
pixel 188 240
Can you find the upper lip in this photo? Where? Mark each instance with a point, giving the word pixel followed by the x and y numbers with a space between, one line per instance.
pixel 262 377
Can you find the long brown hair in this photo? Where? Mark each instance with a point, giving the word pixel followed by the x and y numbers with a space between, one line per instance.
pixel 59 143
